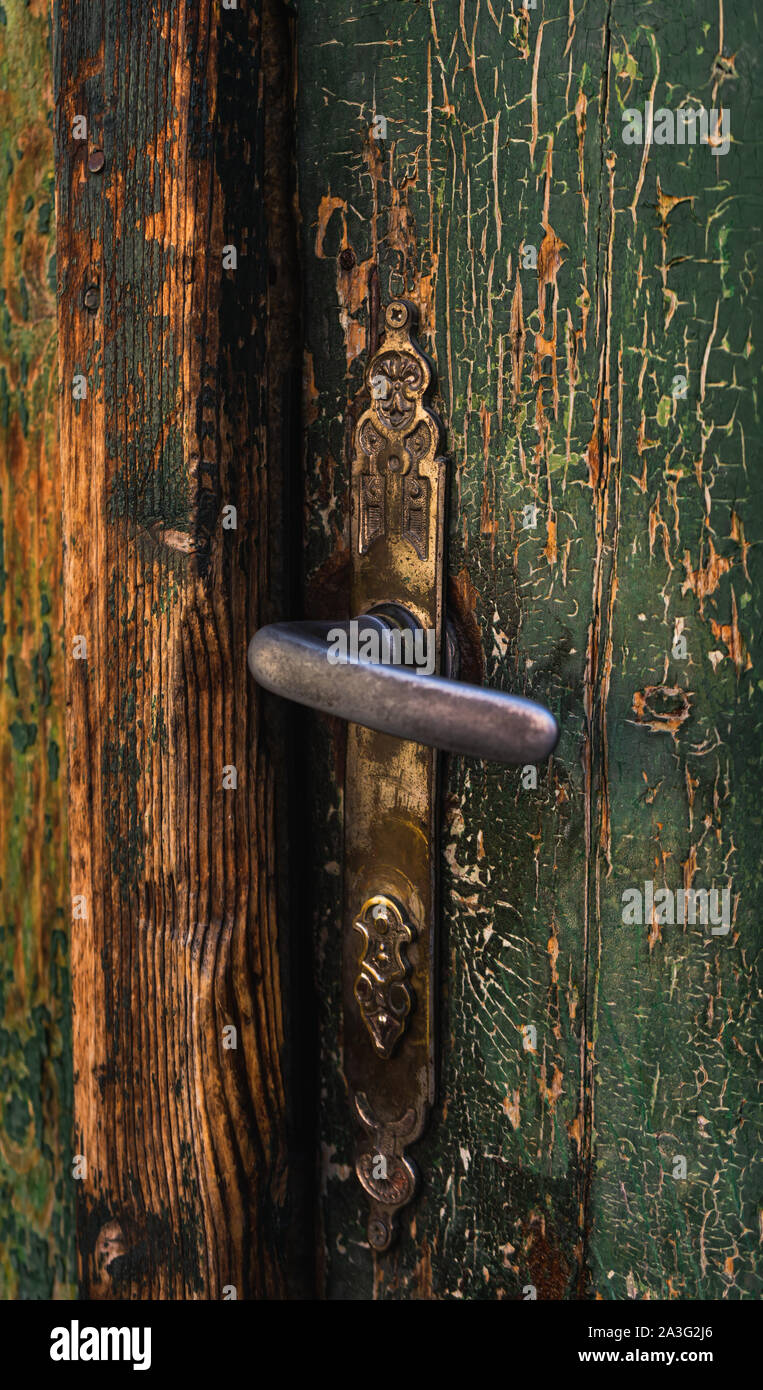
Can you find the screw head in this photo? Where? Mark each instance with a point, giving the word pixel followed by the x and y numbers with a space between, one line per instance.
pixel 96 161
pixel 378 1233
pixel 397 314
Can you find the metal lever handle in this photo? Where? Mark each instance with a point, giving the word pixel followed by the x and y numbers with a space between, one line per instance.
pixel 292 659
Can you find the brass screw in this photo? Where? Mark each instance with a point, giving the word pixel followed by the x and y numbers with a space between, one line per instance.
pixel 378 1233
pixel 397 314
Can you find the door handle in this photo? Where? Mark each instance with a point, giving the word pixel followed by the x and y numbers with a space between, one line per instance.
pixel 399 712
pixel 318 664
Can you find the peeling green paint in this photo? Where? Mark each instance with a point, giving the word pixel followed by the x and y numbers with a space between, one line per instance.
pixel 554 1167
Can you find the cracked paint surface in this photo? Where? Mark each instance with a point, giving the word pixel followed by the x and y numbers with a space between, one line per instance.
pixel 567 283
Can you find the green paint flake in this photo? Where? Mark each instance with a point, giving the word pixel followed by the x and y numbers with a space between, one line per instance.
pixel 23 735
pixel 10 676
pixel 664 411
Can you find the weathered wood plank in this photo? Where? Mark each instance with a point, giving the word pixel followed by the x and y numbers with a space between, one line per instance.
pixel 445 206
pixel 547 1163
pixel 188 1186
pixel 678 703
pixel 36 1244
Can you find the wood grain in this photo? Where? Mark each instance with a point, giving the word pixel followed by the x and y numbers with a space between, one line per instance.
pixel 36 1203
pixel 188 1188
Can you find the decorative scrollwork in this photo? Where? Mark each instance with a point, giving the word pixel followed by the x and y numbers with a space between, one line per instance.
pixel 384 1171
pixel 397 530
pixel 380 988
pixel 396 441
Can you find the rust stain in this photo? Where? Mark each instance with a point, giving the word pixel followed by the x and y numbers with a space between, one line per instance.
pixel 548 1266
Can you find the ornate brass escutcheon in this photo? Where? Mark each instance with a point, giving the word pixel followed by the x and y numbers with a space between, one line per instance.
pixel 398 508
pixel 401 711
pixel 381 989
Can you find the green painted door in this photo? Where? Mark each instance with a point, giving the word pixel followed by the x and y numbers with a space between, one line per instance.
pixel 584 264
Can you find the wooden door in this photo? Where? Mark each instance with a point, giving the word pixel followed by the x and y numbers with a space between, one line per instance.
pixel 589 302
pixel 36 1197
pixel 189 1160
pixel 251 185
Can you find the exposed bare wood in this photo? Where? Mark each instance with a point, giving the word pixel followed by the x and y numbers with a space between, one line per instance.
pixel 173 787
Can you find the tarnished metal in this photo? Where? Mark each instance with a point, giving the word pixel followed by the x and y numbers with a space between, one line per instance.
pixel 291 659
pixel 401 710
pixel 381 989
pixel 397 528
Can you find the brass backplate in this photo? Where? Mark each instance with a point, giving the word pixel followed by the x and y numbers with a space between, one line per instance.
pixel 397 519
